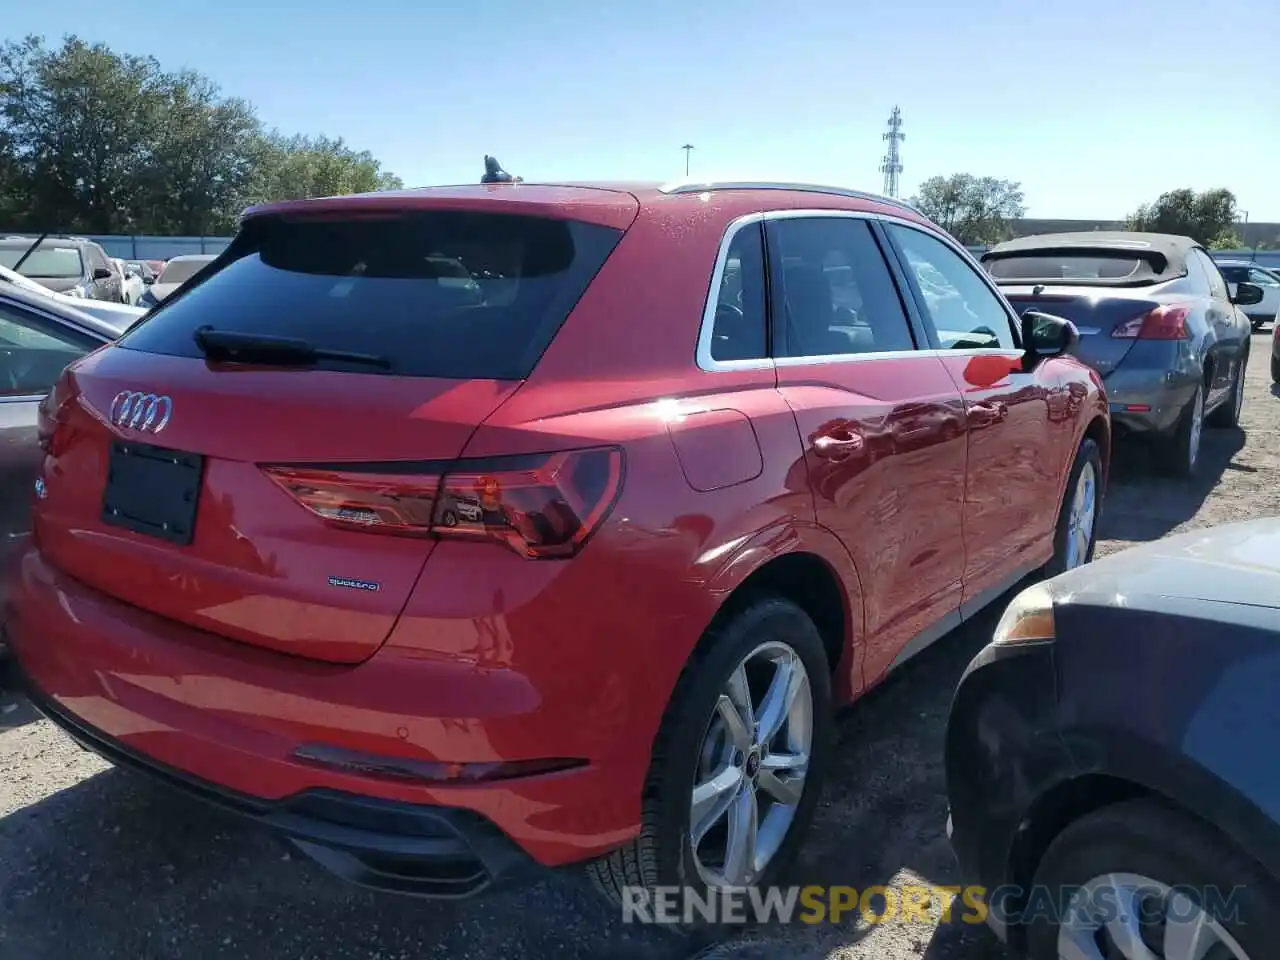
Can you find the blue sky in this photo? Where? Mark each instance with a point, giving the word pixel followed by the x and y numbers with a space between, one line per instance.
pixel 1095 106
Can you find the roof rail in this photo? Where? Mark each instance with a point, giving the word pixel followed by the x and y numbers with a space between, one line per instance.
pixel 704 186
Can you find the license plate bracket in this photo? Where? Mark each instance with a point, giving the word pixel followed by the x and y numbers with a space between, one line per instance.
pixel 153 491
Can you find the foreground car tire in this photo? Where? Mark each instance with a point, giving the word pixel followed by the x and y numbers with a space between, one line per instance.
pixel 1275 369
pixel 737 765
pixel 1077 532
pixel 1168 875
pixel 1180 452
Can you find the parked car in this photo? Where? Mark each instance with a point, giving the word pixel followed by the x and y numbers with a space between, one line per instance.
pixel 1275 353
pixel 117 315
pixel 388 513
pixel 38 337
pixel 74 266
pixel 1155 320
pixel 1238 271
pixel 175 273
pixel 1116 738
pixel 131 281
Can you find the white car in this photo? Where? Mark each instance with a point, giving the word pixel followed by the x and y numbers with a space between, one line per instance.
pixel 130 281
pixel 119 315
pixel 1238 271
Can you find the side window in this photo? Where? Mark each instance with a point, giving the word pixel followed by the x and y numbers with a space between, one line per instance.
pixel 98 258
pixel 966 314
pixel 1217 286
pixel 739 329
pixel 1263 279
pixel 835 292
pixel 33 352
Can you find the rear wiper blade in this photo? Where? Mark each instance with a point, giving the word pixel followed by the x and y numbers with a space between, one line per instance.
pixel 232 346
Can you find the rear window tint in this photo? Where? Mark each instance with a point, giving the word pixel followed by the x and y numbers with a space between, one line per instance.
pixel 1067 267
pixel 441 294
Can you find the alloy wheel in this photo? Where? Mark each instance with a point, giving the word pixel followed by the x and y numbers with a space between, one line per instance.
pixel 1125 916
pixel 752 765
pixel 1080 518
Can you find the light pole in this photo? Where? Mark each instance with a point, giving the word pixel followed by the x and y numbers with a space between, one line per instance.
pixel 688 149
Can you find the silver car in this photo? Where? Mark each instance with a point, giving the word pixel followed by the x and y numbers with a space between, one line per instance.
pixel 1156 321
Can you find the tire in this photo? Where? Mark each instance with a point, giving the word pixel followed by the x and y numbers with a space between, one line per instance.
pixel 1275 369
pixel 1228 414
pixel 662 855
pixel 1180 452
pixel 1146 840
pixel 1088 456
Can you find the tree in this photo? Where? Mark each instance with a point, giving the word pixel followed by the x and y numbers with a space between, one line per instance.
pixel 974 210
pixel 299 167
pixel 98 142
pixel 1205 217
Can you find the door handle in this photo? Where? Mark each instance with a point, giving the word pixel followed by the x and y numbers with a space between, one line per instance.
pixel 837 448
pixel 987 411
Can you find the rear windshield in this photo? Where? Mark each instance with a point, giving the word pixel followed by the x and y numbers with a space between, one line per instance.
pixel 49 262
pixel 1044 266
pixel 180 271
pixel 442 294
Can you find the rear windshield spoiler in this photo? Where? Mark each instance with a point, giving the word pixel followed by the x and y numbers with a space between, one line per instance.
pixel 1156 262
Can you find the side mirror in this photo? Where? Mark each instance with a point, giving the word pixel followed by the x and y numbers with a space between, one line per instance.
pixel 1045 335
pixel 102 273
pixel 1247 294
pixel 149 280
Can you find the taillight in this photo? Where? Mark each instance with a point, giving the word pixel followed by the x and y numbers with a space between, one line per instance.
pixel 1163 323
pixel 542 506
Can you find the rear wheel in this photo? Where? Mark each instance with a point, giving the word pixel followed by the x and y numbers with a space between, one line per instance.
pixel 736 766
pixel 1149 883
pixel 1275 369
pixel 1180 452
pixel 1076 533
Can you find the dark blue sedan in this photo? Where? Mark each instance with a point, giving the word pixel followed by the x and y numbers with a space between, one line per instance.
pixel 1111 756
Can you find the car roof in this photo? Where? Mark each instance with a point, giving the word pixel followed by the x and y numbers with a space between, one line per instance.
pixel 606 202
pixel 56 308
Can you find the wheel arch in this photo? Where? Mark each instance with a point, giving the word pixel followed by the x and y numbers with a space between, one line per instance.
pixel 808 565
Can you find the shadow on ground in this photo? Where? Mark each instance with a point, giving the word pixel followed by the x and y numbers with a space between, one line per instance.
pixel 1142 504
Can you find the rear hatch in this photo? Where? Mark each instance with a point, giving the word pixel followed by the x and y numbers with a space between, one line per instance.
pixel 1112 290
pixel 349 337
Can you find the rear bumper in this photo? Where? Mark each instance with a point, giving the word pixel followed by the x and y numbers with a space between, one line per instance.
pixel 435 852
pixel 231 719
pixel 1147 401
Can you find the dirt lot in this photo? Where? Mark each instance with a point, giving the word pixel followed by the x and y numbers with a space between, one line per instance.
pixel 98 864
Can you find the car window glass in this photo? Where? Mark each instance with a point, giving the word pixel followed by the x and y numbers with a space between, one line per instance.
pixel 836 292
pixel 1217 286
pixel 965 313
pixel 1234 274
pixel 738 332
pixel 33 352
pixel 1263 279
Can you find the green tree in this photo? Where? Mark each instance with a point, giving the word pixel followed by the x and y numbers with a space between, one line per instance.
pixel 1205 217
pixel 974 210
pixel 78 122
pixel 298 167
pixel 97 142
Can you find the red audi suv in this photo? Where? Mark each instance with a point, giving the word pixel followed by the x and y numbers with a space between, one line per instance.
pixel 457 531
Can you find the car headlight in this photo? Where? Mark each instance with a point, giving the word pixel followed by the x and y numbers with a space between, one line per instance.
pixel 1027 619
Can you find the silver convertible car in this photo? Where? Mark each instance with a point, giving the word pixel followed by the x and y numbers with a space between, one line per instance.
pixel 1156 320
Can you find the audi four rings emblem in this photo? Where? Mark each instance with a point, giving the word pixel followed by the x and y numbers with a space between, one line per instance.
pixel 141 411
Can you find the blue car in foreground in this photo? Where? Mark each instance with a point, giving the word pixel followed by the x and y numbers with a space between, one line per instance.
pixel 1111 756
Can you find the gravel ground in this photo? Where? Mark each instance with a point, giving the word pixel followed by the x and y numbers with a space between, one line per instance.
pixel 101 865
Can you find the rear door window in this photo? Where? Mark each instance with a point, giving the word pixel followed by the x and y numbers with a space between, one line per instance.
pixel 446 294
pixel 34 351
pixel 834 292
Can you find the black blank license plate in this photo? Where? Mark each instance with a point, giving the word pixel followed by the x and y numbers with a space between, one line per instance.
pixel 153 491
